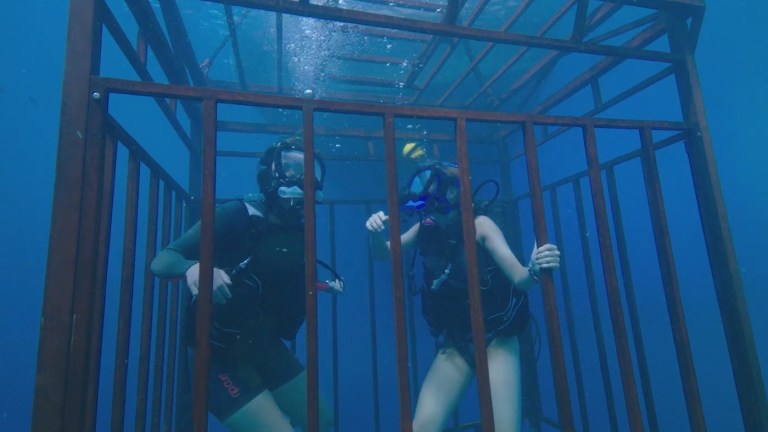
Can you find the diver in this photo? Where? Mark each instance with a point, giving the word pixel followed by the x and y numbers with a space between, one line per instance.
pixel 433 196
pixel 255 383
pixel 415 152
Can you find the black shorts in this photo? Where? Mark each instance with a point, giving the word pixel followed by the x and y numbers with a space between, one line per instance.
pixel 510 324
pixel 240 373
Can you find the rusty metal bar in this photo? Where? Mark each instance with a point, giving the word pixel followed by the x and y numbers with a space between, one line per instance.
pixel 374 337
pixel 398 300
pixel 452 11
pixel 243 98
pixel 557 355
pixel 205 294
pixel 133 146
pixel 515 58
pixel 433 44
pixel 141 46
pixel 145 343
pixel 182 46
pixel 568 308
pixel 310 252
pixel 603 13
pixel 620 336
pixel 53 358
pixel 383 33
pixel 644 38
pixel 86 272
pixel 366 58
pixel 695 31
pixel 185 394
pixel 594 306
pixel 629 293
pixel 521 8
pixel 175 343
pixel 276 129
pixel 279 45
pixel 139 66
pixel 670 282
pixel 385 83
pixel 688 7
pixel 162 313
pixel 531 392
pixel 626 28
pixel 411 316
pixel 334 319
pixel 97 334
pixel 552 58
pixel 597 94
pixel 235 45
pixel 726 275
pixel 123 337
pixel 440 29
pixel 408 4
pixel 254 155
pixel 604 105
pixel 580 21
pixel 488 47
pixel 147 20
pixel 473 278
pixel 610 163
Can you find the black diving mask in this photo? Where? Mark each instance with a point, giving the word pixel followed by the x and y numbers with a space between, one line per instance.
pixel 288 176
pixel 427 190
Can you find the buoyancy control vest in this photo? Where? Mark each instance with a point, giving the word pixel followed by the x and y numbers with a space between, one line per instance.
pixel 444 293
pixel 265 262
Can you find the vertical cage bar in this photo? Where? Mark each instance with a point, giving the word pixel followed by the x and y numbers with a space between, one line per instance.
pixel 235 45
pixel 105 231
pixel 557 354
pixel 726 275
pixel 175 343
pixel 205 294
pixel 53 349
pixel 162 313
pixel 597 323
pixel 401 347
pixel 611 282
pixel 145 344
pixel 310 252
pixel 473 278
pixel 670 282
pixel 125 308
pixel 180 42
pixel 568 308
pixel 334 320
pixel 629 293
pixel 86 273
pixel 411 314
pixel 141 47
pixel 374 337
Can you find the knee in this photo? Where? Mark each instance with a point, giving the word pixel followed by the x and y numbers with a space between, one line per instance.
pixel 426 422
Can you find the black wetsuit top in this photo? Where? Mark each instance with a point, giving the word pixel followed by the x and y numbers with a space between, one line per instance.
pixel 274 275
pixel 445 298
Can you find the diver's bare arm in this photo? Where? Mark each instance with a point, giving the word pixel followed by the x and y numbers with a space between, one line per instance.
pixel 490 236
pixel 380 246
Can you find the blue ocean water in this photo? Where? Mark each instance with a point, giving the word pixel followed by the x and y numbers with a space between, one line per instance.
pixel 734 82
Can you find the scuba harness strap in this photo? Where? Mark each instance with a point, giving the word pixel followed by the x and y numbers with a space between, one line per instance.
pixel 224 329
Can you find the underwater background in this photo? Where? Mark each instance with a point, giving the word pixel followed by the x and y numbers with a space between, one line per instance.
pixel 731 57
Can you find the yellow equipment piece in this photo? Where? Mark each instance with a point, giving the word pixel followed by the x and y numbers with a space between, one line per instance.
pixel 413 150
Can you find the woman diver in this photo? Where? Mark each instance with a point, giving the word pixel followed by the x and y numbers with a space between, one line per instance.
pixel 434 196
